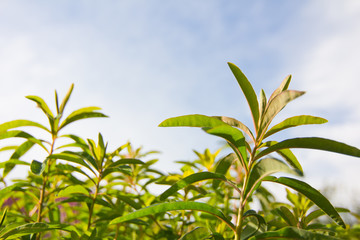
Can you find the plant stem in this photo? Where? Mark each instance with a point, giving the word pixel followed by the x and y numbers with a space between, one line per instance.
pixel 91 210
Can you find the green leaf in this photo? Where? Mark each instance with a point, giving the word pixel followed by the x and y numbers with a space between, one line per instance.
pixel 125 161
pixel 129 201
pixel 248 91
pixel 42 105
pixel 262 169
pixel 236 123
pixel 31 228
pixel 287 154
pixel 71 157
pixel 195 120
pixel 318 213
pixel 21 123
pixel 294 122
pixel 249 230
pixel 276 105
pixel 3 217
pixel 283 86
pixel 222 167
pixel 198 233
pixel 292 233
pixel 70 168
pixel 21 134
pixel 287 215
pixel 22 149
pixel 70 190
pixel 312 194
pixel 234 137
pixel 196 177
pixel 37 167
pixel 26 229
pixel 173 206
pixel 66 99
pixel 83 113
pixel 312 143
pixel 262 102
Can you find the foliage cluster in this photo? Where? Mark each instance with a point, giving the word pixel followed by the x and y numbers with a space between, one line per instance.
pixel 82 190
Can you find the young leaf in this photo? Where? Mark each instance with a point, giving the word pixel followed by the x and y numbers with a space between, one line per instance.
pixel 312 194
pixel 66 99
pixel 294 122
pixel 42 105
pixel 173 206
pixel 263 103
pixel 283 86
pixel 248 91
pixel 276 105
pixel 195 120
pixel 312 143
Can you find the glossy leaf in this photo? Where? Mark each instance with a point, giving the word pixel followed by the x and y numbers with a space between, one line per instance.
pixel 312 143
pixel 173 206
pixel 292 233
pixel 262 169
pixel 195 120
pixel 276 105
pixel 312 194
pixel 294 122
pixel 196 177
pixel 248 91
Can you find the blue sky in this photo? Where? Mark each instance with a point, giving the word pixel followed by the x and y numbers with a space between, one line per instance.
pixel 145 61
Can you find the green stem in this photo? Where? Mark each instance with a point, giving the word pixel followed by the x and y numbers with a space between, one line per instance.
pixel 91 210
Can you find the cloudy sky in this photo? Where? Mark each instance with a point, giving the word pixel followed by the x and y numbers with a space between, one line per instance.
pixel 145 61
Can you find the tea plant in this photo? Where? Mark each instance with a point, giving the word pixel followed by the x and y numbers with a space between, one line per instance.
pixel 256 163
